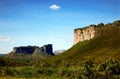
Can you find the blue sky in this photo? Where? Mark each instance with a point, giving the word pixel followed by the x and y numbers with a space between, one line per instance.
pixel 39 22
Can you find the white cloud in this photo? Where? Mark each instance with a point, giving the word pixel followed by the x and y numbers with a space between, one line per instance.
pixel 6 39
pixel 54 7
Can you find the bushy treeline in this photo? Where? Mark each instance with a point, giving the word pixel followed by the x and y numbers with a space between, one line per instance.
pixel 110 69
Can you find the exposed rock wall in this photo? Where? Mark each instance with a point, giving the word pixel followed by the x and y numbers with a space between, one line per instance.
pixel 25 49
pixel 81 34
pixel 31 52
pixel 30 49
pixel 47 48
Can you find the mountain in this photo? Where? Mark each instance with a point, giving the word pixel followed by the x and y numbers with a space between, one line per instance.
pixel 99 42
pixel 104 45
pixel 31 52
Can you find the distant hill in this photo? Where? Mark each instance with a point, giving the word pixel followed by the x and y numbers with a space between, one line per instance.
pixel 105 45
pixel 30 52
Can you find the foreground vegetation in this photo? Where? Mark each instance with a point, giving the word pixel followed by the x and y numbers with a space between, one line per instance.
pixel 110 69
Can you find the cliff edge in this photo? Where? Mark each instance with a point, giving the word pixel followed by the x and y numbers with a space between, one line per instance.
pixel 31 52
pixel 81 34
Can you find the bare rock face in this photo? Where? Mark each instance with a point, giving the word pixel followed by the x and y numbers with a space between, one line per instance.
pixel 31 52
pixel 81 34
pixel 24 50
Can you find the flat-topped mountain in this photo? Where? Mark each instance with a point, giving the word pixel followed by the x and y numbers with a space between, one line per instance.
pixel 31 52
pixel 99 42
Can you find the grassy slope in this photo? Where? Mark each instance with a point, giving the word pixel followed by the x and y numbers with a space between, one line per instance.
pixel 105 45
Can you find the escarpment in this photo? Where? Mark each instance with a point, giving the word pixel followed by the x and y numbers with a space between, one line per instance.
pixel 89 32
pixel 31 52
pixel 81 34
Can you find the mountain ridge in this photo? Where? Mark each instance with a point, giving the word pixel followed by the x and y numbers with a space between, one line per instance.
pixel 30 52
pixel 103 46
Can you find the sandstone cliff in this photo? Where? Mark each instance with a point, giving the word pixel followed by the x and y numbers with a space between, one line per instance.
pixel 89 32
pixel 81 34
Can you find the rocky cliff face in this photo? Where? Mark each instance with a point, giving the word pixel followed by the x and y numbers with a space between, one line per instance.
pixel 24 50
pixel 31 52
pixel 81 34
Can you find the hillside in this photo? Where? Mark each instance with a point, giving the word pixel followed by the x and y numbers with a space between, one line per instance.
pixel 105 45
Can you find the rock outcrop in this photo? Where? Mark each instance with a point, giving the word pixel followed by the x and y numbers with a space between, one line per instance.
pixel 24 49
pixel 87 33
pixel 81 34
pixel 31 52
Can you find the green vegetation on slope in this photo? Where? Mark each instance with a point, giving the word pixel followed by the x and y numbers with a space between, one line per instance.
pixel 110 69
pixel 106 44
